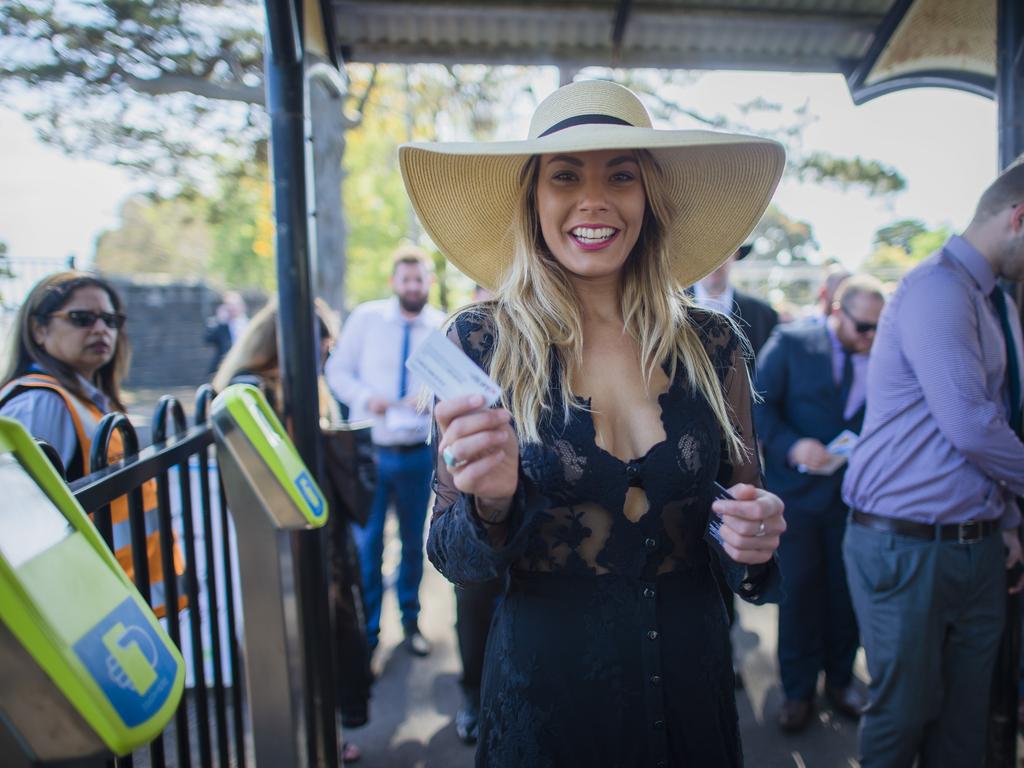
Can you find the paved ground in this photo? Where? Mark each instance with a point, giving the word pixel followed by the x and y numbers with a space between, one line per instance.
pixel 415 699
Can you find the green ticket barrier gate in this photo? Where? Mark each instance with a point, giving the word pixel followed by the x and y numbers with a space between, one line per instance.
pixel 270 493
pixel 85 669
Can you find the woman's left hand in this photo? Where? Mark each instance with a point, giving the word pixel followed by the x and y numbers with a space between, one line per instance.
pixel 752 523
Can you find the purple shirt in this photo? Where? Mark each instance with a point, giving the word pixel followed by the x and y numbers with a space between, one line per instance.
pixel 936 445
pixel 859 386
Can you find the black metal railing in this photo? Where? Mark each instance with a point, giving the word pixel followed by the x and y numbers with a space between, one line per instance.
pixel 193 523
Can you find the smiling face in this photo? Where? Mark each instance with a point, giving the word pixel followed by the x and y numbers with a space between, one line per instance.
pixel 591 208
pixel 85 350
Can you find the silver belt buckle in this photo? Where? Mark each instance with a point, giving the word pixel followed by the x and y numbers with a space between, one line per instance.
pixel 961 538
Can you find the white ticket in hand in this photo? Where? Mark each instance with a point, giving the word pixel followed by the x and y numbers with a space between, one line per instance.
pixel 448 372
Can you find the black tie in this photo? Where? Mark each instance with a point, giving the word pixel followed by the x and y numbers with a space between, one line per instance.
pixel 1012 370
pixel 846 382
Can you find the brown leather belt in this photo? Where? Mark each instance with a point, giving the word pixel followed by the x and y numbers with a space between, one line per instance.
pixel 970 532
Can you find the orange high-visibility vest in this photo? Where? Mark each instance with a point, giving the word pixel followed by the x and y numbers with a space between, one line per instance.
pixel 86 417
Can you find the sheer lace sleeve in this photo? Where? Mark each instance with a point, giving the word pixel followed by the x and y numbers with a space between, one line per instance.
pixel 459 544
pixel 729 354
pixel 739 400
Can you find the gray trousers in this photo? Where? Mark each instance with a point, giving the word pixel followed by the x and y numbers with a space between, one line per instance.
pixel 930 614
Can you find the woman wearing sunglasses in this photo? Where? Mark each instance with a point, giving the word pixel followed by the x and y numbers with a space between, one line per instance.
pixel 66 363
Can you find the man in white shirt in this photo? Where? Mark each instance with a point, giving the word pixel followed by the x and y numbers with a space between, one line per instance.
pixel 367 372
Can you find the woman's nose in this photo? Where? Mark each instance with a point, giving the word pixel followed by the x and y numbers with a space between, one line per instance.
pixel 593 196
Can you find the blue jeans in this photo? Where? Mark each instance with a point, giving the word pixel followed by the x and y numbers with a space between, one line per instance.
pixel 405 476
pixel 931 614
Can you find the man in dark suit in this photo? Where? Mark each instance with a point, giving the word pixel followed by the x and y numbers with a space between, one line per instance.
pixel 225 327
pixel 755 317
pixel 813 377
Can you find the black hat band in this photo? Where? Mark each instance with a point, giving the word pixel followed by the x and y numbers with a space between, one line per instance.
pixel 569 122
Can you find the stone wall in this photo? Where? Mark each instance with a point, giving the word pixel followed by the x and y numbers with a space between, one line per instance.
pixel 166 325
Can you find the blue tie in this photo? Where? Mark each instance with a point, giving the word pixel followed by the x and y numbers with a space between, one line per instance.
pixel 1012 371
pixel 403 375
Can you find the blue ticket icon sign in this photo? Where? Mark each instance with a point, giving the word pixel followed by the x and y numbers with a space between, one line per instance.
pixel 129 662
pixel 310 493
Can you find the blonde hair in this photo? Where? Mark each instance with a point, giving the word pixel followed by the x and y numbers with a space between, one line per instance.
pixel 255 351
pixel 858 285
pixel 539 330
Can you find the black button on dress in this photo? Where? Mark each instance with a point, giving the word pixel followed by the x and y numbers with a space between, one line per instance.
pixel 610 646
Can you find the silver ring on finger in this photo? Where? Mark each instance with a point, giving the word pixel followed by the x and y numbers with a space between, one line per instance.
pixel 761 528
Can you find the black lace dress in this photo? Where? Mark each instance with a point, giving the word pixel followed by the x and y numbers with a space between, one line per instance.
pixel 610 646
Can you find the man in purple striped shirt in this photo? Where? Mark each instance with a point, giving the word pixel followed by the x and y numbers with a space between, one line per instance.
pixel 932 484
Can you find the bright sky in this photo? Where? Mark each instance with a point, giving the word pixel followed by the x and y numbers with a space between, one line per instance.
pixel 942 141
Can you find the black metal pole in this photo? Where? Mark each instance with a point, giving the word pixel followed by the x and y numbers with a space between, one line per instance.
pixel 1010 79
pixel 298 348
pixel 1002 732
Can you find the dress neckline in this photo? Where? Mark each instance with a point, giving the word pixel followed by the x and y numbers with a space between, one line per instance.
pixel 637 461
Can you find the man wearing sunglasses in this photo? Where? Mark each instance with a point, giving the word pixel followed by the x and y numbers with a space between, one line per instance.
pixel 814 378
pixel 932 485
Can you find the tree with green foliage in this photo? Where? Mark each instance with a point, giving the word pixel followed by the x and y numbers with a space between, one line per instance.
pixel 779 239
pixel 159 87
pixel 659 88
pixel 422 103
pixel 5 261
pixel 172 90
pixel 5 267
pixel 157 236
pixel 242 230
pixel 902 245
pixel 900 233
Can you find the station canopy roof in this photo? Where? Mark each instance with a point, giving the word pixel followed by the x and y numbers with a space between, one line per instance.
pixel 878 45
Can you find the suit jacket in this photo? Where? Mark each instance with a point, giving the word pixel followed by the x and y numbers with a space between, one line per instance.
pixel 801 399
pixel 218 335
pixel 755 317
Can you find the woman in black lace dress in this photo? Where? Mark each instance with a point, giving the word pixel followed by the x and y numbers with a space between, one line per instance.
pixel 590 489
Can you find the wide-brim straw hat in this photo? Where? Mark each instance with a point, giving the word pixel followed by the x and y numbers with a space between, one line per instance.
pixel 466 194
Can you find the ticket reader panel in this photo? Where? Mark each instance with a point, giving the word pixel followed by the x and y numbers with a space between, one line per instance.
pixel 273 499
pixel 85 667
pixel 248 429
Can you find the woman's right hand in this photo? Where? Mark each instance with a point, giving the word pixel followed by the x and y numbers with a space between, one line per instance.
pixel 485 451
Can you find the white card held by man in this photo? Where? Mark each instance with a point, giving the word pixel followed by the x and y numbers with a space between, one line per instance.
pixel 448 372
pixel 839 451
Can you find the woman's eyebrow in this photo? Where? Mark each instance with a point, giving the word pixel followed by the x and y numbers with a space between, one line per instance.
pixel 566 159
pixel 621 159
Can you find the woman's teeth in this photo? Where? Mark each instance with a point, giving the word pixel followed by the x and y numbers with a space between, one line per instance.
pixel 593 234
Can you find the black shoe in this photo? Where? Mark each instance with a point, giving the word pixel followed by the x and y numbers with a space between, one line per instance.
pixel 794 715
pixel 417 644
pixel 467 722
pixel 847 701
